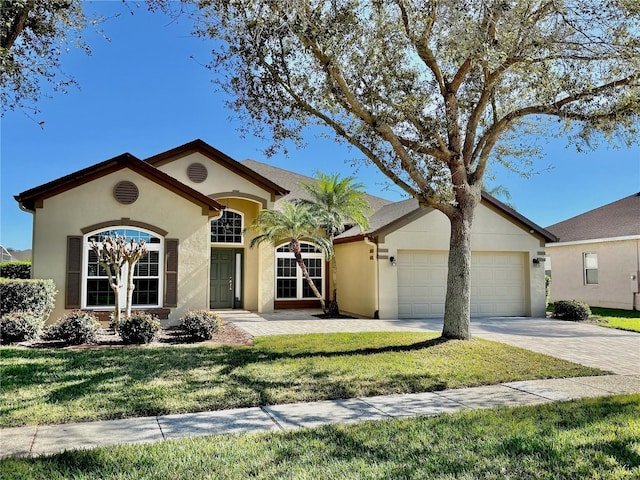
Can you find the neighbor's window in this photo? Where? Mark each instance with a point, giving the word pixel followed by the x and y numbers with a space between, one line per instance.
pixel 290 284
pixel 590 268
pixel 227 228
pixel 146 273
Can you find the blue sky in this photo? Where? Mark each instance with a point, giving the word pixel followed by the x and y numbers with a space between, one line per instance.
pixel 145 91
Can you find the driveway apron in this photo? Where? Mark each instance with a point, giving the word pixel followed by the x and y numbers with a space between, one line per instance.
pixel 612 350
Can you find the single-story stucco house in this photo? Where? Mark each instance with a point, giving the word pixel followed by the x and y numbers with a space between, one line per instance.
pixel 596 259
pixel 192 205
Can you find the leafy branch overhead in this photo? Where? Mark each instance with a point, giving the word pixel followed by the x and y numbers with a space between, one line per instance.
pixel 426 90
pixel 33 34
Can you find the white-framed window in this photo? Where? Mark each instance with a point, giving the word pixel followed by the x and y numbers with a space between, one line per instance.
pixel 290 284
pixel 147 274
pixel 590 262
pixel 228 228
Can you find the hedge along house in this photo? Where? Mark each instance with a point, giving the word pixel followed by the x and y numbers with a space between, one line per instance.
pixel 192 205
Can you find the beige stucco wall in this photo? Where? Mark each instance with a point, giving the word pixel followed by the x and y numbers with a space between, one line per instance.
pixel 617 262
pixel 67 213
pixel 245 197
pixel 219 178
pixel 356 278
pixel 491 232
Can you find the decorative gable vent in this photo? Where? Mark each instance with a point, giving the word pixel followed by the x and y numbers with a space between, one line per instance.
pixel 197 172
pixel 125 192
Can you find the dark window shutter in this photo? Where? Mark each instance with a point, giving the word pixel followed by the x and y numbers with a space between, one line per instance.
pixel 171 272
pixel 74 273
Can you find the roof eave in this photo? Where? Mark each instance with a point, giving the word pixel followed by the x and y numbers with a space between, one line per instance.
pixel 30 199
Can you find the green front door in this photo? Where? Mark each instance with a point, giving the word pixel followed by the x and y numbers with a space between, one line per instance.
pixel 221 283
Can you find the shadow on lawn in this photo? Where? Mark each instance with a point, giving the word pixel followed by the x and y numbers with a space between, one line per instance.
pixel 140 381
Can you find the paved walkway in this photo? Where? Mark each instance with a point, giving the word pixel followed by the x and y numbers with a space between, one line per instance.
pixel 612 350
pixel 44 440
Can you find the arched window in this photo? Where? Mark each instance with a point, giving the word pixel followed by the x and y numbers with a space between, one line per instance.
pixel 147 274
pixel 290 284
pixel 227 228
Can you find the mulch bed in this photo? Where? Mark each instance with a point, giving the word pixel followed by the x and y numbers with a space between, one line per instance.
pixel 228 334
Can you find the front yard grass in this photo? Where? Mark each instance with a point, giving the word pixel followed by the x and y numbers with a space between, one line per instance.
pixel 615 318
pixel 585 439
pixel 48 386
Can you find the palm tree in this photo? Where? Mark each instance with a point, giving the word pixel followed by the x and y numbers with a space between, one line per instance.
pixel 502 192
pixel 338 203
pixel 293 223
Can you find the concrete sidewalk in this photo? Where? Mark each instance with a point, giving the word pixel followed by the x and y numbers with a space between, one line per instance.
pixel 43 440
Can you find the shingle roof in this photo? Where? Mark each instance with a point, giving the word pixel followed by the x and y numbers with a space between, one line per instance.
pixel 617 219
pixel 383 217
pixel 291 181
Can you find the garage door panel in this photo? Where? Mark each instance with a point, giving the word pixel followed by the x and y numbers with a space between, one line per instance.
pixel 497 283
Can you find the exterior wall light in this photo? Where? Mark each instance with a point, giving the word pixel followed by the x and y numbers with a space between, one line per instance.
pixel 393 261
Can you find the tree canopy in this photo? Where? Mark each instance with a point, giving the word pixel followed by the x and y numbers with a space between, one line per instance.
pixel 33 34
pixel 431 91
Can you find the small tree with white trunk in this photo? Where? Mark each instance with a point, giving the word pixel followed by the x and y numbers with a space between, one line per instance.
pixel 113 254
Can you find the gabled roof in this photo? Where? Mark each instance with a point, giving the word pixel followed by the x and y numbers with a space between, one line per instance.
pixel 617 219
pixel 222 159
pixel 393 216
pixel 292 181
pixel 33 198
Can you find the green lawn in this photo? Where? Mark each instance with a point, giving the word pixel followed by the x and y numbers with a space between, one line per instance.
pixel 615 318
pixel 585 439
pixel 42 386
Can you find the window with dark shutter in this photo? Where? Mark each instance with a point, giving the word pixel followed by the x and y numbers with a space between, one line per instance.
pixel 171 273
pixel 74 273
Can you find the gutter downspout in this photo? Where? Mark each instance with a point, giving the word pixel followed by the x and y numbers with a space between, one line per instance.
pixel 376 293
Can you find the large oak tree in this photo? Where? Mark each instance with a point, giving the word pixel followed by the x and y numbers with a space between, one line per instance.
pixel 432 91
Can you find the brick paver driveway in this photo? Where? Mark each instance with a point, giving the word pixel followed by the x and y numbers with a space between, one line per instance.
pixel 613 350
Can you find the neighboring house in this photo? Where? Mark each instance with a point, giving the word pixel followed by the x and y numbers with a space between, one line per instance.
pixel 192 205
pixel 596 259
pixel 5 255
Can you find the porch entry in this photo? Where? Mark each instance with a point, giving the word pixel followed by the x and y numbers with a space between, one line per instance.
pixel 225 278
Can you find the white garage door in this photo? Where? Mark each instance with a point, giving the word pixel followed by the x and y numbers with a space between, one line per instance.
pixel 497 283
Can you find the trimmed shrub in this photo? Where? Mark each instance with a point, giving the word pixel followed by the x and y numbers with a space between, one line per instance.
pixel 76 328
pixel 571 310
pixel 200 324
pixel 35 296
pixel 139 328
pixel 21 270
pixel 19 326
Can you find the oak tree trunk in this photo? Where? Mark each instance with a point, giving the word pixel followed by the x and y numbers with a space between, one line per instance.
pixel 457 309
